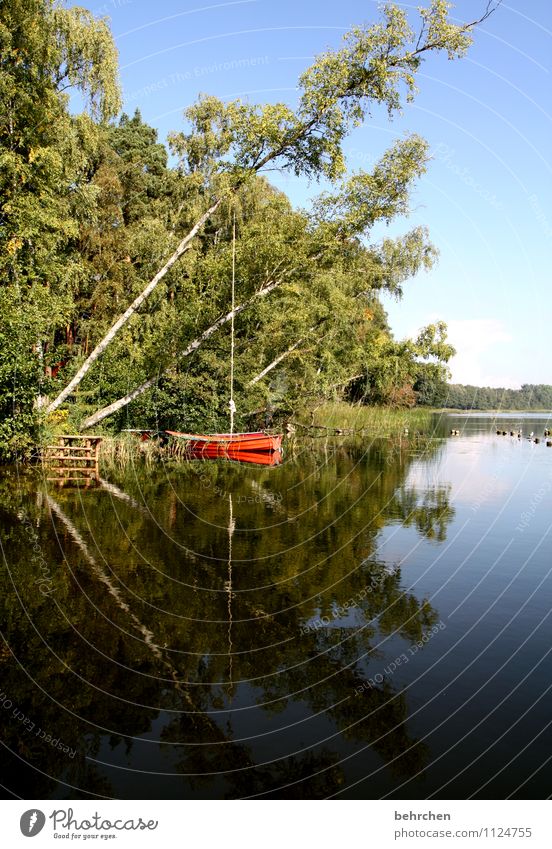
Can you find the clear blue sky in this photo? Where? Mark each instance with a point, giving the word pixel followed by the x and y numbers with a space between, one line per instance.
pixel 486 197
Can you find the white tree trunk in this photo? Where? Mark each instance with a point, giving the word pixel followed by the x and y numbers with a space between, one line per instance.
pixel 193 346
pixel 100 348
pixel 278 360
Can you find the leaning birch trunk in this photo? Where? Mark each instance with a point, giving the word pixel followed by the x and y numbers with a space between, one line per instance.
pixel 278 360
pixel 285 353
pixel 193 346
pixel 100 348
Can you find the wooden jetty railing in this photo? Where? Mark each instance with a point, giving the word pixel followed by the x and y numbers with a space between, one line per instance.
pixel 73 458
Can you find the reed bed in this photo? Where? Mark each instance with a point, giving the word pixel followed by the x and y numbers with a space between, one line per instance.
pixel 122 450
pixel 330 420
pixel 377 421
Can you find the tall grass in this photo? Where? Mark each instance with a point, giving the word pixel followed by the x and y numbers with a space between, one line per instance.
pixel 125 449
pixel 122 450
pixel 378 421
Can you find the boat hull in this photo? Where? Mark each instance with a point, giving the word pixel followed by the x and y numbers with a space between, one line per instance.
pixel 227 445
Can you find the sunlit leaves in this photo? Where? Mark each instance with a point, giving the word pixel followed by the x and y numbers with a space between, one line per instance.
pixel 86 58
pixel 365 198
pixel 376 67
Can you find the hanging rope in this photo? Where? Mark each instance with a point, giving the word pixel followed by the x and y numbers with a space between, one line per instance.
pixel 228 587
pixel 231 404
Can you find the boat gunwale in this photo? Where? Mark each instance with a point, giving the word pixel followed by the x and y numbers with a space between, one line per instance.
pixel 219 437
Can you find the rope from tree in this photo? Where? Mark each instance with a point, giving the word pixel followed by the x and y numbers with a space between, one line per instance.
pixel 231 404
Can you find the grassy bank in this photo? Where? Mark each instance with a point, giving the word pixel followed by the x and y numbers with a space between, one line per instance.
pixel 378 421
pixel 124 449
pixel 332 419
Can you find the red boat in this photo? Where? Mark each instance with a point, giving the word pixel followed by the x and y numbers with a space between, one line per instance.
pixel 227 444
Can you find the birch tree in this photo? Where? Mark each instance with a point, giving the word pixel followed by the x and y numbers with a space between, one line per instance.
pixel 228 143
pixel 312 254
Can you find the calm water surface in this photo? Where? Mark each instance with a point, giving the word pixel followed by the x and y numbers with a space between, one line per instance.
pixel 366 620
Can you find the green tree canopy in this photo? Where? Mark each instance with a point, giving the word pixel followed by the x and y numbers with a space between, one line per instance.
pixel 108 254
pixel 44 191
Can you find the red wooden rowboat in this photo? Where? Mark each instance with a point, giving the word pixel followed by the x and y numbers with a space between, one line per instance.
pixel 226 444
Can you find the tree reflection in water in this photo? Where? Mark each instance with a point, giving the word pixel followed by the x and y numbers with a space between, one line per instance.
pixel 199 671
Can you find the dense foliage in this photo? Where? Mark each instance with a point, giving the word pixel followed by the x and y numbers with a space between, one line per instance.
pixel 115 269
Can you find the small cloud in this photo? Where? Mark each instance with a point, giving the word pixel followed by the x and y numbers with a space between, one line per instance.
pixel 480 345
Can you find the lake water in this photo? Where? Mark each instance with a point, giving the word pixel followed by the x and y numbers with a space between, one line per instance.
pixel 367 620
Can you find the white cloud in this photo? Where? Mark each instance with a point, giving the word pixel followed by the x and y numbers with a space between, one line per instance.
pixel 485 356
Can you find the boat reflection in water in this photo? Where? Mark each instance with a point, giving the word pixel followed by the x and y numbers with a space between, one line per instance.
pixel 257 458
pixel 259 448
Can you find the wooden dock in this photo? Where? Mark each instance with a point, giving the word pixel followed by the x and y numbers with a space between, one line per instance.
pixel 73 459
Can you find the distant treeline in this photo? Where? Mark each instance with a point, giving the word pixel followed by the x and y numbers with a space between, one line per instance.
pixel 531 396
